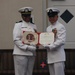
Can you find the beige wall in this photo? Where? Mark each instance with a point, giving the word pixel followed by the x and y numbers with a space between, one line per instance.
pixel 9 15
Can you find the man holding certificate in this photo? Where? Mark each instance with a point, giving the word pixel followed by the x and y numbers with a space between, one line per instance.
pixel 55 51
pixel 24 54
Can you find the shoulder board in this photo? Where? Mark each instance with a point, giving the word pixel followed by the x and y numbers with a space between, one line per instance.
pixel 18 21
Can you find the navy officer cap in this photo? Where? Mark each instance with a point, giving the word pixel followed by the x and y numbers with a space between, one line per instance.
pixel 26 11
pixel 51 12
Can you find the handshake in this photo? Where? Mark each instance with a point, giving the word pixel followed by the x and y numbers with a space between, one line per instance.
pixel 34 47
pixel 46 47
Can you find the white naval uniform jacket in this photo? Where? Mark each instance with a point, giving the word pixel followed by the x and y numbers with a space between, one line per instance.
pixel 56 52
pixel 19 47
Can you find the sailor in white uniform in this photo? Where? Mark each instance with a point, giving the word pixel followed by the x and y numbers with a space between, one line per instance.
pixel 24 54
pixel 55 51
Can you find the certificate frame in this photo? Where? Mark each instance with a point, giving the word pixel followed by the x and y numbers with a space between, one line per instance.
pixel 29 37
pixel 37 38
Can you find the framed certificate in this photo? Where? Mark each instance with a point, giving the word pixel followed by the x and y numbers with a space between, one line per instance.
pixel 37 38
pixel 30 37
pixel 46 38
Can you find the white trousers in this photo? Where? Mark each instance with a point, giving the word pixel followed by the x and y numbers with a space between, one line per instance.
pixel 23 64
pixel 57 68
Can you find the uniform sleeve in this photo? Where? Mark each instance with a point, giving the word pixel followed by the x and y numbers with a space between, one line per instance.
pixel 17 37
pixel 60 39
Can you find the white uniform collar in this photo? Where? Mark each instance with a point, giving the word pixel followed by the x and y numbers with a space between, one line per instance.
pixel 25 24
pixel 54 23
